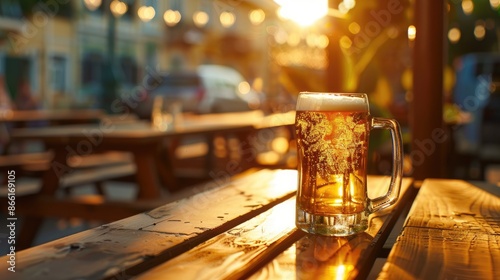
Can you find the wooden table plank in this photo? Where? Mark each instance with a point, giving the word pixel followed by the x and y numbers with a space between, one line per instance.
pixel 137 243
pixel 452 232
pixel 63 116
pixel 229 254
pixel 322 257
pixel 430 253
pixel 241 251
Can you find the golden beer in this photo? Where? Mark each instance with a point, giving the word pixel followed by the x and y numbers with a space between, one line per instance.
pixel 332 133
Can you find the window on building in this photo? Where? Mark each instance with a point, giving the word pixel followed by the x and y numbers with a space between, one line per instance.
pixel 11 8
pixel 58 73
pixel 92 68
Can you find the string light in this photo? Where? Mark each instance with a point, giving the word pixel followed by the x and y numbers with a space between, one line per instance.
pixel 118 8
pixel 172 17
pixel 479 30
pixel 200 18
pixel 467 6
pixel 495 4
pixel 146 13
pixel 412 32
pixel 454 35
pixel 92 4
pixel 227 19
pixel 257 16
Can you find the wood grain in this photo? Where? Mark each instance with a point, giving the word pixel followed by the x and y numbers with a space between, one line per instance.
pixel 271 240
pixel 452 232
pixel 226 254
pixel 135 244
pixel 320 257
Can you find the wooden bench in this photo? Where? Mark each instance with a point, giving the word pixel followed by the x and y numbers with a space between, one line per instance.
pixel 31 203
pixel 34 162
pixel 91 169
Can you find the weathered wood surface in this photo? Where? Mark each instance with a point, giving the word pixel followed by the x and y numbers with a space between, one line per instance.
pixel 320 257
pixel 135 244
pixel 232 252
pixel 263 241
pixel 452 232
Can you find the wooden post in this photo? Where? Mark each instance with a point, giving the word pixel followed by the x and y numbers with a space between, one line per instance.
pixel 428 133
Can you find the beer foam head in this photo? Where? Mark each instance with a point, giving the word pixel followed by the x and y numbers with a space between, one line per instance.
pixel 312 101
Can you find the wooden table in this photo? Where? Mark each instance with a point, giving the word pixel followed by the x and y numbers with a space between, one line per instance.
pixel 239 229
pixel 154 168
pixel 144 142
pixel 452 232
pixel 43 117
pixel 55 117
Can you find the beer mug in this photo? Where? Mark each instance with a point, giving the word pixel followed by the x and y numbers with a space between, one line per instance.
pixel 332 131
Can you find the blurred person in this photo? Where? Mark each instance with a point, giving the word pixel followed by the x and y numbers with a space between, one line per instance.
pixel 5 102
pixel 24 99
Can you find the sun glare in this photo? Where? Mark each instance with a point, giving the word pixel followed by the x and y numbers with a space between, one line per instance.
pixel 305 13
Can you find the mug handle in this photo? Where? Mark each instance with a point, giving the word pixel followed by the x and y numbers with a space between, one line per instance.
pixel 392 194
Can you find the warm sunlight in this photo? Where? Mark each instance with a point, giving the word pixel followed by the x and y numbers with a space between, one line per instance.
pixel 305 13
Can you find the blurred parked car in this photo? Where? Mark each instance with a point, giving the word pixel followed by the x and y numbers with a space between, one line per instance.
pixel 210 89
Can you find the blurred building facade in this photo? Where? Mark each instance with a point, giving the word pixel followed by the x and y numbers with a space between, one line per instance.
pixel 62 47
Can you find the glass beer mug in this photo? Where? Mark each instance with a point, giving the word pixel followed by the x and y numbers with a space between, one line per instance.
pixel 332 131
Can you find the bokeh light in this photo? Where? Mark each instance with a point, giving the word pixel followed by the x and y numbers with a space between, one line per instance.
pixel 495 4
pixel 172 17
pixel 454 35
pixel 244 87
pixel 468 6
pixel 200 18
pixel 354 28
pixel 479 30
pixel 345 42
pixel 227 19
pixel 412 32
pixel 305 13
pixel 118 8
pixel 92 4
pixel 146 13
pixel 257 16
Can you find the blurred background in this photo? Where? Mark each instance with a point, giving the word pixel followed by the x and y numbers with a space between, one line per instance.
pixel 116 55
